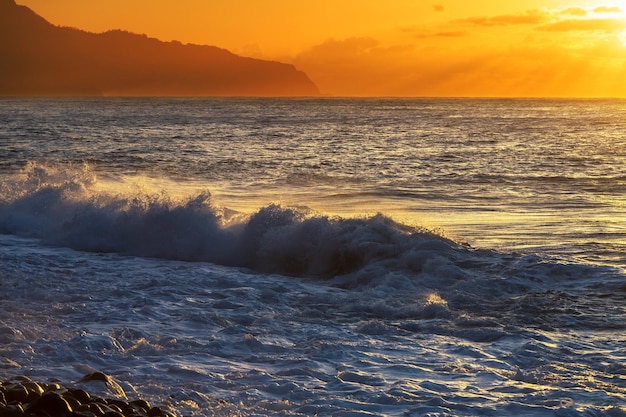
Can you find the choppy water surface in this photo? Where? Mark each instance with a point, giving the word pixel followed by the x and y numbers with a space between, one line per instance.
pixel 225 257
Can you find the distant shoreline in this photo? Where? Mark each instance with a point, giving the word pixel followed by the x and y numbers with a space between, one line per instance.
pixel 48 60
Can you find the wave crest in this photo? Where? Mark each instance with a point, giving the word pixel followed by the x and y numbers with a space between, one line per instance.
pixel 65 208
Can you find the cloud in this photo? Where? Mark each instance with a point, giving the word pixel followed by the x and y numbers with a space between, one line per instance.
pixel 607 9
pixel 580 12
pixel 355 66
pixel 553 21
pixel 586 25
pixel 421 33
pixel 450 34
pixel 577 54
pixel 574 11
pixel 531 17
pixel 438 7
pixel 334 50
pixel 366 67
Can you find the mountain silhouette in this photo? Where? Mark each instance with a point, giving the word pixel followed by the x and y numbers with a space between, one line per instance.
pixel 38 58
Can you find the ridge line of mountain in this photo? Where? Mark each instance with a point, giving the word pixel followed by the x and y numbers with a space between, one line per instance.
pixel 38 58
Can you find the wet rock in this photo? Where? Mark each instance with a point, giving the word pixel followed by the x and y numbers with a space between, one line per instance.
pixel 141 405
pixel 95 376
pixel 13 410
pixel 81 396
pixel 22 397
pixel 51 404
pixel 109 383
pixel 52 387
pixel 155 412
pixel 16 393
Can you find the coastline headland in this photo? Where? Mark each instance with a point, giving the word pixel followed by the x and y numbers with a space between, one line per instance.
pixel 40 59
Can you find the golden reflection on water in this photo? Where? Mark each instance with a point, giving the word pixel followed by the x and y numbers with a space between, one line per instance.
pixel 482 225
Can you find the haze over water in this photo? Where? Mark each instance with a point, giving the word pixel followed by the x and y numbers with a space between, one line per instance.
pixel 382 256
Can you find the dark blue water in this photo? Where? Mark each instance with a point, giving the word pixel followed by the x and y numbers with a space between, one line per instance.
pixel 329 257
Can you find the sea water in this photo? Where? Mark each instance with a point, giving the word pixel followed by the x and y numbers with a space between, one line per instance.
pixel 332 257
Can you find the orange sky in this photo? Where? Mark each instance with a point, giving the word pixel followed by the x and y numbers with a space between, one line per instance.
pixel 394 47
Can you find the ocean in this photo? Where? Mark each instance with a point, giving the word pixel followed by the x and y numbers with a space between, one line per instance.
pixel 329 257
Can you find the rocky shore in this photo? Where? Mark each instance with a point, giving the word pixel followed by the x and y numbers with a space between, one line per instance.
pixel 21 397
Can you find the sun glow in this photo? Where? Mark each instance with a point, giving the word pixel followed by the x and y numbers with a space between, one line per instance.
pixel 535 48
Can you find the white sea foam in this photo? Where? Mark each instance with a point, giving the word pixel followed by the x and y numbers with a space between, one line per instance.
pixel 285 310
pixel 375 318
pixel 215 340
pixel 66 211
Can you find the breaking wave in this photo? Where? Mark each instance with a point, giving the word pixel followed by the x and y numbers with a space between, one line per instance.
pixel 65 207
pixel 61 208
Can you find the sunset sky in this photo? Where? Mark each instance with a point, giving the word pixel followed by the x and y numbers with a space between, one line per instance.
pixel 573 48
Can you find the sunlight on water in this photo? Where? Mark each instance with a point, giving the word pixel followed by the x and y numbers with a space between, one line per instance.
pixel 434 299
